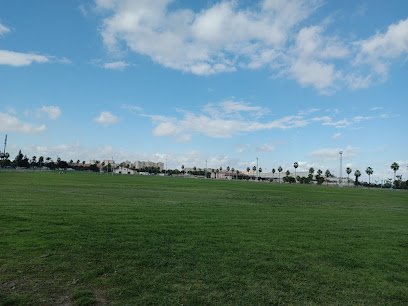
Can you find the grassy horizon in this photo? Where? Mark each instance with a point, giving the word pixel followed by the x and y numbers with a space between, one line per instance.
pixel 87 239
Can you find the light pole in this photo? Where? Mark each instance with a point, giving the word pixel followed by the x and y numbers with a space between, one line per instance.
pixel 257 172
pixel 112 165
pixel 205 175
pixel 341 166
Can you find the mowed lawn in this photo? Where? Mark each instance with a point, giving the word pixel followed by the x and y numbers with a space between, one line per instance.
pixel 87 239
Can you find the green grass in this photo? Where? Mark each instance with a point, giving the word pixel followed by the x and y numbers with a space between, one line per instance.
pixel 91 239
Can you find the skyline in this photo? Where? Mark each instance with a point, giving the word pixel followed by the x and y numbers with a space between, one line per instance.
pixel 222 81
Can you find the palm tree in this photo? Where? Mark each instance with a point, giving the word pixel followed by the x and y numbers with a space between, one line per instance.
pixel 327 174
pixel 287 172
pixel 182 168
pixel 295 165
pixel 279 170
pixel 369 171
pixel 311 171
pixel 248 169
pixel 394 167
pixel 254 169
pixel 228 168
pixel 273 174
pixel 348 170
pixel 237 174
pixel 357 174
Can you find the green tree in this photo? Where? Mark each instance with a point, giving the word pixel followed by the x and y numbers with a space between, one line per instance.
pixel 273 174
pixel 280 170
pixel 182 169
pixel 395 168
pixel 348 170
pixel 369 171
pixel 357 174
pixel 228 168
pixel 295 165
pixel 327 174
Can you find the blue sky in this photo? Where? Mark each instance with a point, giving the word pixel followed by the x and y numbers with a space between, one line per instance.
pixel 222 81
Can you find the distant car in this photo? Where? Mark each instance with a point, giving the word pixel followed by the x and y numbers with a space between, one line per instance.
pixel 9 167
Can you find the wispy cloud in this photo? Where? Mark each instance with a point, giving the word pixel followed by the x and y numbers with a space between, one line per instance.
pixel 18 59
pixel 118 65
pixel 3 30
pixel 131 107
pixel 52 112
pixel 331 154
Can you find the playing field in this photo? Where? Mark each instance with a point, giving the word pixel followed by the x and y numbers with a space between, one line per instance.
pixel 87 239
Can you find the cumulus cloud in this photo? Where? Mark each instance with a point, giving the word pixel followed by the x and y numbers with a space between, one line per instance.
pixel 378 50
pixel 226 36
pixel 107 118
pixel 52 112
pixel 337 136
pixel 18 59
pixel 9 123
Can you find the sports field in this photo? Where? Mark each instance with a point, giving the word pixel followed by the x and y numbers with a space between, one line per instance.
pixel 86 239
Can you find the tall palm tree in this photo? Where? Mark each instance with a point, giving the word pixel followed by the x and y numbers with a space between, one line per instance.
pixel 348 170
pixel 394 167
pixel 295 165
pixel 279 170
pixel 228 168
pixel 248 169
pixel 182 168
pixel 369 171
pixel 311 172
pixel 327 174
pixel 273 174
pixel 357 174
pixel 254 169
pixel 237 174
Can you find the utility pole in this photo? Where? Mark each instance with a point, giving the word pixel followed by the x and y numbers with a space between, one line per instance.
pixel 257 172
pixel 341 166
pixel 5 144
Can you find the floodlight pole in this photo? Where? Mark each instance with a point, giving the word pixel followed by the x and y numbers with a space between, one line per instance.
pixel 112 165
pixel 341 166
pixel 205 171
pixel 257 172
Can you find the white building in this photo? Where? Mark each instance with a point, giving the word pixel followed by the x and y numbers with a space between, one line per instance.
pixel 124 171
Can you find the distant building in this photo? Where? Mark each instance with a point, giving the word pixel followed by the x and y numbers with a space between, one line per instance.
pixel 109 161
pixel 148 164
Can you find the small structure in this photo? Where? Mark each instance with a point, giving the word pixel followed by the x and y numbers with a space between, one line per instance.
pixel 124 171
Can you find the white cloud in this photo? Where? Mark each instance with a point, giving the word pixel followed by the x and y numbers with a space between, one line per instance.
pixel 267 147
pixel 107 118
pixel 3 30
pixel 20 59
pixel 53 112
pixel 225 37
pixel 131 107
pixel 337 136
pixel 119 65
pixel 378 50
pixel 10 123
pixel 215 122
pixel 214 40
pixel 333 154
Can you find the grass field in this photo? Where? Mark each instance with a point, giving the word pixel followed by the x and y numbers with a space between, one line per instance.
pixel 87 239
